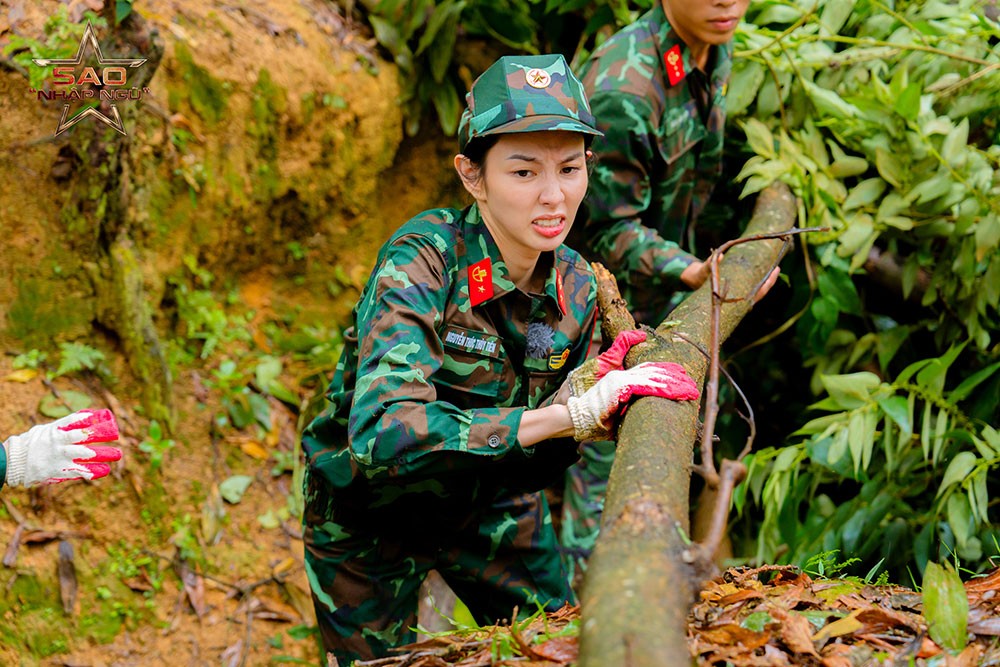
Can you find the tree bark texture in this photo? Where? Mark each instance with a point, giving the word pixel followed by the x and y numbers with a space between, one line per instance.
pixel 644 572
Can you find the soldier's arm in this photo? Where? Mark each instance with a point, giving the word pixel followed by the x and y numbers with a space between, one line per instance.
pixel 398 427
pixel 620 192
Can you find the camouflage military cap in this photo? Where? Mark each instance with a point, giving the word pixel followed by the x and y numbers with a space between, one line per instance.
pixel 525 94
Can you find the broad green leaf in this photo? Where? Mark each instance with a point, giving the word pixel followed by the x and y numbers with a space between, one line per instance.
pixel 959 518
pixel 896 408
pixel 930 189
pixel 958 469
pixel 908 103
pixel 233 488
pixel 743 86
pixel 759 137
pixel 834 15
pixel 848 165
pixel 864 193
pixel 932 375
pixel 890 167
pixel 447 106
pixel 852 390
pixel 889 343
pixel 979 497
pixel 785 459
pixel 838 448
pixel 261 409
pixel 860 439
pixel 953 148
pixel 946 607
pixel 267 371
pixel 858 233
pixel 962 391
pixel 829 103
pixel 940 431
pixel 69 402
pixel 838 286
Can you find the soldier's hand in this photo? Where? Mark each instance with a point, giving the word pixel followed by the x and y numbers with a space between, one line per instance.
pixel 58 451
pixel 592 370
pixel 594 413
pixel 696 273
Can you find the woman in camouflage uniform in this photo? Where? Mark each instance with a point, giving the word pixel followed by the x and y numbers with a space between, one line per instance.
pixel 452 405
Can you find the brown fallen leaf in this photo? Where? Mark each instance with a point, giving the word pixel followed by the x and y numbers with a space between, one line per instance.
pixel 796 631
pixel 842 626
pixel 10 556
pixel 563 650
pixel 67 577
pixel 194 588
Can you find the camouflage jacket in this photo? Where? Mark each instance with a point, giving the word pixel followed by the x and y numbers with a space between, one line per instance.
pixel 445 356
pixel 658 158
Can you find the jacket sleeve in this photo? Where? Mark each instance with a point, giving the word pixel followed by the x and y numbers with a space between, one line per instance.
pixel 397 425
pixel 621 194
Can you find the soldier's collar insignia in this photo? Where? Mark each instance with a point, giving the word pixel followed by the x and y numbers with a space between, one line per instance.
pixel 480 282
pixel 674 63
pixel 559 293
pixel 538 78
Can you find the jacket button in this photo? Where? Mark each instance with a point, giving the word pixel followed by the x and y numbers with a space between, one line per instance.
pixel 493 441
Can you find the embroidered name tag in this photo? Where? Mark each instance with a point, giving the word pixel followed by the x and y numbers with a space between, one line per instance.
pixel 477 342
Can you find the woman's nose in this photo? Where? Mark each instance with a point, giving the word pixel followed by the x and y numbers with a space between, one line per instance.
pixel 552 192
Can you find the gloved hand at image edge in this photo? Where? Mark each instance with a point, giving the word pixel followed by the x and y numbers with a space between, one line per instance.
pixel 591 371
pixel 57 451
pixel 594 412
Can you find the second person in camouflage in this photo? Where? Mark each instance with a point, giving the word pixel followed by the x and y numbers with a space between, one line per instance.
pixel 452 404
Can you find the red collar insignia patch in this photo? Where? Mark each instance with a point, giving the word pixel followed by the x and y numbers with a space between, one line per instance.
pixel 559 294
pixel 674 62
pixel 480 282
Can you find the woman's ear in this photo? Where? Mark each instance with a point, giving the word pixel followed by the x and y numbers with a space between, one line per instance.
pixel 470 175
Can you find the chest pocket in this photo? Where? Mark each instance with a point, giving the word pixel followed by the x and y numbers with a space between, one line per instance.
pixel 472 369
pixel 545 376
pixel 680 131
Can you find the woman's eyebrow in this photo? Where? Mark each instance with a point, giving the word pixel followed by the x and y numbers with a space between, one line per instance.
pixel 530 158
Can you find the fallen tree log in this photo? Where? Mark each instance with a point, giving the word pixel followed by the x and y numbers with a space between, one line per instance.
pixel 644 571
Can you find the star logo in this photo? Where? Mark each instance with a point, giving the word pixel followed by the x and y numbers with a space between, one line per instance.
pixel 115 65
pixel 538 78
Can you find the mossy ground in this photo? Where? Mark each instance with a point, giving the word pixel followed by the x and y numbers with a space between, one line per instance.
pixel 263 171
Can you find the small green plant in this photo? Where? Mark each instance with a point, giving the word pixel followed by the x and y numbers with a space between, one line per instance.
pixel 156 445
pixel 62 39
pixel 76 357
pixel 33 359
pixel 185 539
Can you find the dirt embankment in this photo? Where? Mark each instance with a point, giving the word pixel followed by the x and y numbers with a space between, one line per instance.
pixel 266 163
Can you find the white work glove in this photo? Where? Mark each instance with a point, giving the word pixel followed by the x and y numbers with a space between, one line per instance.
pixel 55 452
pixel 594 412
pixel 592 370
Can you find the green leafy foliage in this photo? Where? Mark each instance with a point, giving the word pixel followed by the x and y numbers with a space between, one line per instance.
pixel 878 115
pixel 422 36
pixel 62 39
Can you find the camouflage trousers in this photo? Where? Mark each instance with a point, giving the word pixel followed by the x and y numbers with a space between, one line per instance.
pixel 583 503
pixel 365 583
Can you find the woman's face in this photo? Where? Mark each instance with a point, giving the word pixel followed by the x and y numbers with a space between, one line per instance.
pixel 529 189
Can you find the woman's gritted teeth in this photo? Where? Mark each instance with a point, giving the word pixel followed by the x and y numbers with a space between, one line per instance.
pixel 550 226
